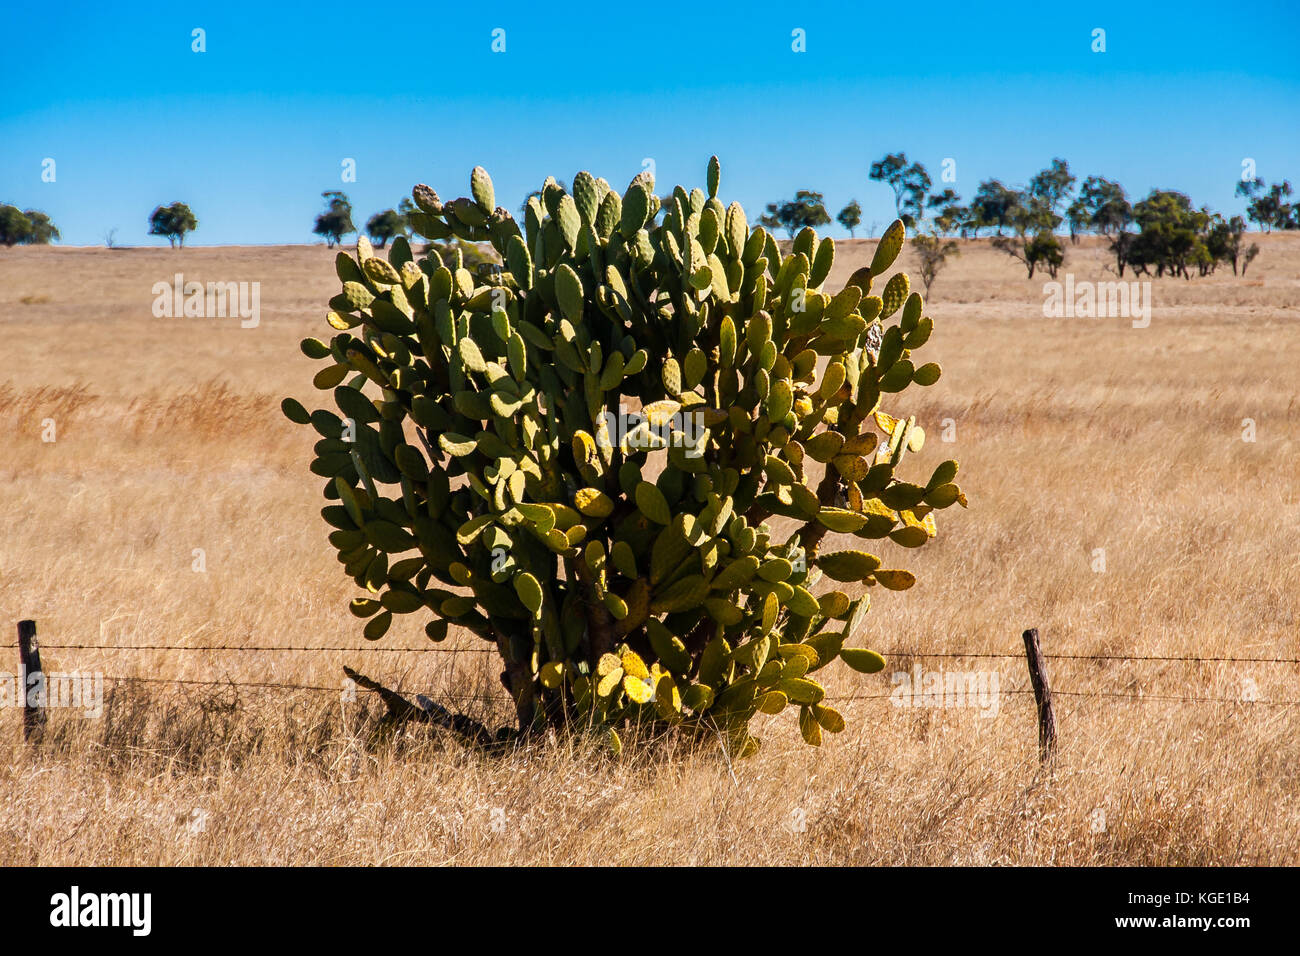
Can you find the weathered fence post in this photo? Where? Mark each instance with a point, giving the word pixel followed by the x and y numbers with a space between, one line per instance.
pixel 1042 695
pixel 29 653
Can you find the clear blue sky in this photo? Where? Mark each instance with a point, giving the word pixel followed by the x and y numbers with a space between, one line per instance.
pixel 250 132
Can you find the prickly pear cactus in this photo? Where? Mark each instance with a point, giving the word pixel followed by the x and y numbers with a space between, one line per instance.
pixel 579 455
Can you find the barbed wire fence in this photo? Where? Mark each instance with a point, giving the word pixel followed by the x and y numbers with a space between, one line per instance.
pixel 29 661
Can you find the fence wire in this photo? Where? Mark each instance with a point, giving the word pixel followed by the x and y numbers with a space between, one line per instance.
pixel 482 698
pixel 490 650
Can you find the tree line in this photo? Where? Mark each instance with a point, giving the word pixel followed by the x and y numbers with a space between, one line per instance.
pixel 1162 234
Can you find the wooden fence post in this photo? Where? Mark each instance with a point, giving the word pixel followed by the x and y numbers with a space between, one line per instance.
pixel 1042 695
pixel 30 654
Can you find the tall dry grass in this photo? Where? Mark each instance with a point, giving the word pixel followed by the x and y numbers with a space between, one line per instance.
pixel 1074 435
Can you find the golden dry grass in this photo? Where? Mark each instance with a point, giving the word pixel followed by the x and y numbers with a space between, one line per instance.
pixel 1074 435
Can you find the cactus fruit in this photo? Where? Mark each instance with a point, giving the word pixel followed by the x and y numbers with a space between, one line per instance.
pixel 486 470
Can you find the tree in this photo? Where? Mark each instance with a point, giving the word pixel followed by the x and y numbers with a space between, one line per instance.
pixel 910 183
pixel 29 228
pixel 993 207
pixel 1173 236
pixel 1077 217
pixel 1035 244
pixel 383 226
pixel 1249 188
pixel 14 225
pixel 41 230
pixel 850 217
pixel 1267 206
pixel 933 251
pixel 806 209
pixel 1105 204
pixel 1052 186
pixel 1248 257
pixel 1170 233
pixel 404 209
pixel 952 215
pixel 1100 205
pixel 1223 240
pixel 173 222
pixel 1040 250
pixel 336 221
pixel 1028 214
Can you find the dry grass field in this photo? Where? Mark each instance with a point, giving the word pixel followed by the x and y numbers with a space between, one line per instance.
pixel 1074 434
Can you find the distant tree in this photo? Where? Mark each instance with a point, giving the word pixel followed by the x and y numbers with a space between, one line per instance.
pixel 954 219
pixel 1267 205
pixel 1172 235
pixel 890 171
pixel 1223 241
pixel 1170 231
pixel 336 221
pixel 850 217
pixel 933 251
pixel 14 225
pixel 172 222
pixel 110 237
pixel 1249 188
pixel 1077 218
pixel 1100 205
pixel 994 207
pixel 806 209
pixel 1248 256
pixel 1121 247
pixel 1034 244
pixel 383 226
pixel 42 230
pixel 1040 250
pixel 1105 207
pixel 1052 186
pixel 910 183
pixel 952 215
pixel 1030 215
pixel 404 209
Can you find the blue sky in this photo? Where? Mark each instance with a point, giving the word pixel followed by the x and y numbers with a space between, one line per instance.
pixel 251 131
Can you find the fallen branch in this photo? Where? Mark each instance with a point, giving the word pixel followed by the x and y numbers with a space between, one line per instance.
pixel 426 711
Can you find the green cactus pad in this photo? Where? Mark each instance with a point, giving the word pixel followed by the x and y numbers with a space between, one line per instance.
pixel 848 565
pixel 887 250
pixel 480 184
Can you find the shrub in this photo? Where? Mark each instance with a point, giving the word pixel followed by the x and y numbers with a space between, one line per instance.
pixel 484 469
pixel 933 252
